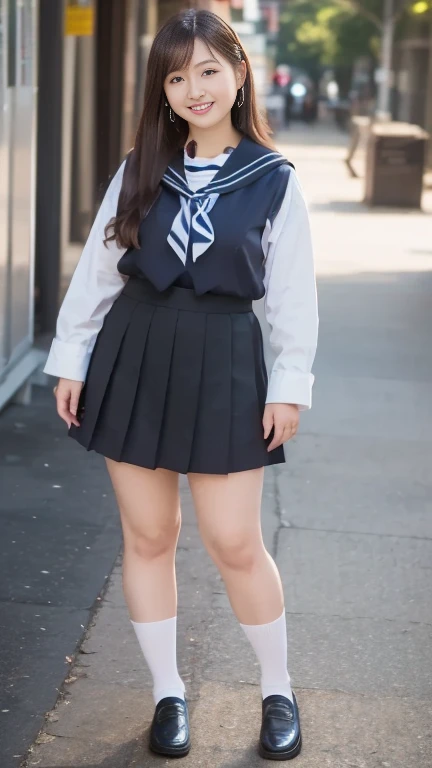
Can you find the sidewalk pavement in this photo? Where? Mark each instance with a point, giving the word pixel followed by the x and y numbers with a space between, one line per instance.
pixel 348 520
pixel 59 537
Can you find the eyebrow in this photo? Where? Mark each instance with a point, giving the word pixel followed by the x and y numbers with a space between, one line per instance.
pixel 206 61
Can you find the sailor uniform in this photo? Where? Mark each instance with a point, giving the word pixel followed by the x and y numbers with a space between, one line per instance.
pixel 164 335
pixel 227 256
pixel 193 218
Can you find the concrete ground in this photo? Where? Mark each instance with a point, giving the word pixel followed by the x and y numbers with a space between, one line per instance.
pixel 348 520
pixel 59 536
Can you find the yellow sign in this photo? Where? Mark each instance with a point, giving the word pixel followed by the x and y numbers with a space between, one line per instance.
pixel 79 17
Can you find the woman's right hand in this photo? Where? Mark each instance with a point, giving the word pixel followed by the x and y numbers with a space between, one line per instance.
pixel 67 393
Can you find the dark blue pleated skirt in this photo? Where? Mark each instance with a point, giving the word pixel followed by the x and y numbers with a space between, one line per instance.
pixel 177 381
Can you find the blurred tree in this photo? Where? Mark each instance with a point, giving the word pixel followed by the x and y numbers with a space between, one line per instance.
pixel 384 14
pixel 336 33
pixel 313 35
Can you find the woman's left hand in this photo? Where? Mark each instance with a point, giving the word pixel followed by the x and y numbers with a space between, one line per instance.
pixel 285 419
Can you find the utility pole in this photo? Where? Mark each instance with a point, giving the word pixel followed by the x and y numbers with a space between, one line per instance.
pixel 429 97
pixel 385 81
pixel 391 12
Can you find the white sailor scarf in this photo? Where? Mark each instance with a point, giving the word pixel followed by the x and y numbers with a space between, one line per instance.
pixel 247 163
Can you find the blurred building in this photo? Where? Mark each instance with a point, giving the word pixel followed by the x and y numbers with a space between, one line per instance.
pixel 412 63
pixel 72 76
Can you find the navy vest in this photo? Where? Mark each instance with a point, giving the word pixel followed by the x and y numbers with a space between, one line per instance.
pixel 234 263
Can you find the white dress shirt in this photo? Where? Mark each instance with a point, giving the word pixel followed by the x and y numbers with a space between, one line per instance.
pixel 290 302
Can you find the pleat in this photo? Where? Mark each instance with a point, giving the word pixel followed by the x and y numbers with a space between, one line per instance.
pixel 211 445
pixel 102 362
pixel 261 377
pixel 277 455
pixel 141 444
pixel 181 405
pixel 246 445
pixel 175 387
pixel 116 410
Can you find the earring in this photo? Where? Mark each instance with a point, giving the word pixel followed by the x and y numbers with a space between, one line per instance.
pixel 171 114
pixel 240 103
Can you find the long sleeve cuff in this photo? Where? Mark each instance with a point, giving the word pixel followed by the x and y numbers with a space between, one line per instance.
pixel 68 361
pixel 289 387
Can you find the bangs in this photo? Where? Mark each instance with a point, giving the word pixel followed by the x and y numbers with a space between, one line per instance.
pixel 180 52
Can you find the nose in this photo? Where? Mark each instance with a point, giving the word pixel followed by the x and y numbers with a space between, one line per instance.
pixel 195 96
pixel 196 90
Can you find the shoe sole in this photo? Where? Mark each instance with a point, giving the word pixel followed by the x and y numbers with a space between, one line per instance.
pixel 287 755
pixel 171 751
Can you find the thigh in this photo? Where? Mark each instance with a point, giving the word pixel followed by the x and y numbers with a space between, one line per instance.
pixel 228 507
pixel 148 499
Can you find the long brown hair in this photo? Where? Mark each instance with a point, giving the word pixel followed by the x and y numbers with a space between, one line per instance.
pixel 158 138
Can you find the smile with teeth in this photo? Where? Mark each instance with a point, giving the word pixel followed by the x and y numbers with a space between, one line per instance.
pixel 201 107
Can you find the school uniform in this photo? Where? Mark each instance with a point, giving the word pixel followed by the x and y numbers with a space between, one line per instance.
pixel 164 336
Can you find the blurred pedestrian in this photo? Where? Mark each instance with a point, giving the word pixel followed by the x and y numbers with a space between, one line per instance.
pixel 289 100
pixel 160 356
pixel 310 107
pixel 282 82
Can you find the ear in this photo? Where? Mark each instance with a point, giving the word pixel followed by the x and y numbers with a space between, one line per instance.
pixel 241 73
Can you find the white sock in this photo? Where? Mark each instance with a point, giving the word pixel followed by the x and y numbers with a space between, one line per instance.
pixel 269 642
pixel 158 641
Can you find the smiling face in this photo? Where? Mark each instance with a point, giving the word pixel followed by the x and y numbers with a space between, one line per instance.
pixel 209 81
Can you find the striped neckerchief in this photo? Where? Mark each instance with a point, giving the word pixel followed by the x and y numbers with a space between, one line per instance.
pixel 248 162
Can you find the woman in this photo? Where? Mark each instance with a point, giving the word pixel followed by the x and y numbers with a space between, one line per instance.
pixel 160 356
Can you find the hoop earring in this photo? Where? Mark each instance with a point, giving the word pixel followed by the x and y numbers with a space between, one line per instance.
pixel 171 114
pixel 240 103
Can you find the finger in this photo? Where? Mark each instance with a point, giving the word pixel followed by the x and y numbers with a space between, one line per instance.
pixel 63 400
pixel 277 439
pixel 63 412
pixel 73 407
pixel 282 437
pixel 267 424
pixel 71 417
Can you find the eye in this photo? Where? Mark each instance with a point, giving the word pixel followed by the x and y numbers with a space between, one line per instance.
pixel 206 70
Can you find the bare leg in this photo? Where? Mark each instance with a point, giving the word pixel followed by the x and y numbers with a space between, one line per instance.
pixel 149 505
pixel 228 508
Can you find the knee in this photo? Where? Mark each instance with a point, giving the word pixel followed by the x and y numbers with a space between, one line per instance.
pixel 237 552
pixel 153 542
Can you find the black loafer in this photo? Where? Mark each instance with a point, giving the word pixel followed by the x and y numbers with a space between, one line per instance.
pixel 280 737
pixel 169 733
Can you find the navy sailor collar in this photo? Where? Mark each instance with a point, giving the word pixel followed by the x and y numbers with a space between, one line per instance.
pixel 247 163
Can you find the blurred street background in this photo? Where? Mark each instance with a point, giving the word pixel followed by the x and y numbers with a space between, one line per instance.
pixel 347 89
